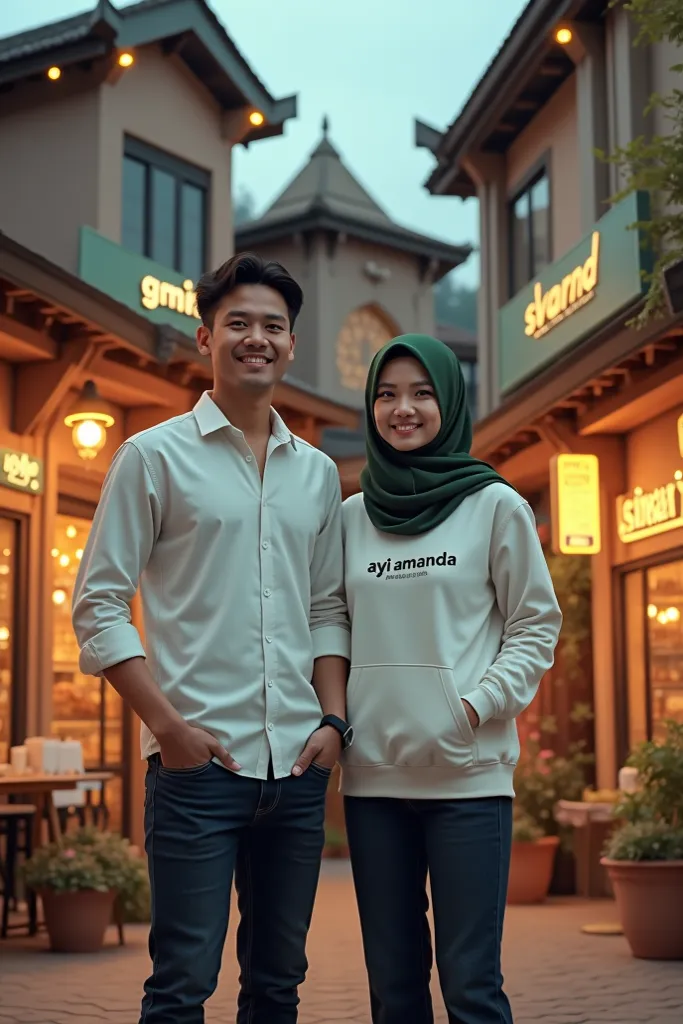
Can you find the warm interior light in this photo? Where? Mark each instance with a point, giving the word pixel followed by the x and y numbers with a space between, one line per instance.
pixel 256 118
pixel 71 532
pixel 54 73
pixel 6 552
pixel 58 597
pixel 4 634
pixel 79 554
pixel 4 570
pixel 55 552
pixel 89 420
pixel 564 36
pixel 126 60
pixel 652 610
pixel 64 561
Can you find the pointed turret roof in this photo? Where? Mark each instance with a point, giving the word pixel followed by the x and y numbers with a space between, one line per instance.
pixel 326 195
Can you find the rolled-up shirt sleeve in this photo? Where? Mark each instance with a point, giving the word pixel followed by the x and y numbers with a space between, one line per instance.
pixel 124 530
pixel 329 619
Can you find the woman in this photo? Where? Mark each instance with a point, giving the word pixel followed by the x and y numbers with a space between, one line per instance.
pixel 454 622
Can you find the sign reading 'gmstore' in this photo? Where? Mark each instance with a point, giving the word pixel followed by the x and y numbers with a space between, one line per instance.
pixel 574 296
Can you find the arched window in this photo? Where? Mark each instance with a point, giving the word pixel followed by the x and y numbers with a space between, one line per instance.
pixel 363 333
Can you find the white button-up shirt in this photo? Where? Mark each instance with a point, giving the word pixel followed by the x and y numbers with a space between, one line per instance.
pixel 241 580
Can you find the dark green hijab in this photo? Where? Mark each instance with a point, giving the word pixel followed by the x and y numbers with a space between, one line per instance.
pixel 412 492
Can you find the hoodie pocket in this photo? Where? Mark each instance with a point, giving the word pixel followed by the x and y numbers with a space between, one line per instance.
pixel 409 715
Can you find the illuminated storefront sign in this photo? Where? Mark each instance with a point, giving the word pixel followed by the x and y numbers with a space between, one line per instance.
pixel 21 471
pixel 550 308
pixel 575 504
pixel 155 293
pixel 576 295
pixel 642 514
pixel 158 293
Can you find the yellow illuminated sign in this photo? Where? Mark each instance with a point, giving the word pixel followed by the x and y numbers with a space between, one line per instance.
pixel 680 435
pixel 20 471
pixel 642 514
pixel 155 293
pixel 550 308
pixel 575 504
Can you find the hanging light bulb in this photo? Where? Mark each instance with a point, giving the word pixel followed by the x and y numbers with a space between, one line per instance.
pixel 89 420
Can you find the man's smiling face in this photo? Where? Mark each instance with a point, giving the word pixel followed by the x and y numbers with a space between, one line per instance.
pixel 250 342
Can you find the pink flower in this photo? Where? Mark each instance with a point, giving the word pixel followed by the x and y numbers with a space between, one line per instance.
pixel 69 854
pixel 535 736
pixel 545 755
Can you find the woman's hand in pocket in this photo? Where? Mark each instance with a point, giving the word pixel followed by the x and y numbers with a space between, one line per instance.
pixel 472 716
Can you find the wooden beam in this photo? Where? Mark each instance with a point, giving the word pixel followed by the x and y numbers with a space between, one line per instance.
pixel 642 384
pixel 31 344
pixel 156 390
pixel 41 387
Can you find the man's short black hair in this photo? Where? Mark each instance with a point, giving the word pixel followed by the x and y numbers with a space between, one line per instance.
pixel 247 268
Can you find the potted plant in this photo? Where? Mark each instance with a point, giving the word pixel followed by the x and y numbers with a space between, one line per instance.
pixel 644 855
pixel 542 778
pixel 78 879
pixel 532 861
pixel 336 845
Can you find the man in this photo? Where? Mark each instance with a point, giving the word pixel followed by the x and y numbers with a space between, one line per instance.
pixel 232 527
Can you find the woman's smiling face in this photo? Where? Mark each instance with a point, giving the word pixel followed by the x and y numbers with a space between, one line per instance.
pixel 406 410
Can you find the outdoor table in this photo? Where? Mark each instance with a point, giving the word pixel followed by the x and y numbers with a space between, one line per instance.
pixel 592 823
pixel 38 789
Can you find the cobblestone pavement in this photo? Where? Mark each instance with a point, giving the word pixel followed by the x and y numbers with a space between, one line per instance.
pixel 555 974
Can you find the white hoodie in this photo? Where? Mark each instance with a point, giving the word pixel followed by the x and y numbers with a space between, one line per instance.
pixel 465 611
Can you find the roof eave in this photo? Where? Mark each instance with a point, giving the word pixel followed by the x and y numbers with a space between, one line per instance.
pixel 509 70
pixel 129 28
pixel 251 235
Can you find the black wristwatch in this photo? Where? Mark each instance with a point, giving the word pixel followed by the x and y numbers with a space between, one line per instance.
pixel 343 728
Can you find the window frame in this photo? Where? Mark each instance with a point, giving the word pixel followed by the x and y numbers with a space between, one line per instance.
pixel 182 173
pixel 535 173
pixel 20 611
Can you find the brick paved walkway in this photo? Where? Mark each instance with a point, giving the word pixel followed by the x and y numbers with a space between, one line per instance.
pixel 556 975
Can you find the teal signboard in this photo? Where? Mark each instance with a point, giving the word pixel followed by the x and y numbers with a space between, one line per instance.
pixel 574 296
pixel 154 291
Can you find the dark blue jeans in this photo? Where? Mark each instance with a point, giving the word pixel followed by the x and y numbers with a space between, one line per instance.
pixel 204 825
pixel 464 846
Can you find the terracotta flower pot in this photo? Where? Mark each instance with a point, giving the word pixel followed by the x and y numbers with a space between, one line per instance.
pixel 531 869
pixel 649 897
pixel 77 921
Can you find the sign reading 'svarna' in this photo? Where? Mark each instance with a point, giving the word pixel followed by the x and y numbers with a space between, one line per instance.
pixel 569 300
pixel 551 307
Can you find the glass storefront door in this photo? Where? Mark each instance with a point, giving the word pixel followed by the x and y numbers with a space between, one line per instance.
pixel 653 619
pixel 665 645
pixel 8 582
pixel 84 708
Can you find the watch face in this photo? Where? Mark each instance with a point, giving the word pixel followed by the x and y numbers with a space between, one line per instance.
pixel 363 334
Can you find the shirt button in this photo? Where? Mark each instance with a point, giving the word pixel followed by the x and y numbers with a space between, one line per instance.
pixel 267 592
pixel 248 458
pixel 270 682
pixel 264 545
pixel 269 639
pixel 270 727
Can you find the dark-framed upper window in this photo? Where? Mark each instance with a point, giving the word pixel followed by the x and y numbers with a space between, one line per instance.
pixel 530 244
pixel 165 208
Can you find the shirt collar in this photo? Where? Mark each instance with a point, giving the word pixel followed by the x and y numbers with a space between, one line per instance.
pixel 210 419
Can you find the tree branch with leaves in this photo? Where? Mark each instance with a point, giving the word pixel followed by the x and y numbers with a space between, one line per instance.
pixel 654 164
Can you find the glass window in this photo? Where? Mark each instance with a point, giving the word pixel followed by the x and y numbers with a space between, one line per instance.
pixel 530 232
pixel 665 645
pixel 192 245
pixel 8 577
pixel 163 224
pixel 134 214
pixel 84 708
pixel 164 209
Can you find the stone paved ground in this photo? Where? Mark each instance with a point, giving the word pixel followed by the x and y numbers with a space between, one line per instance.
pixel 556 975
